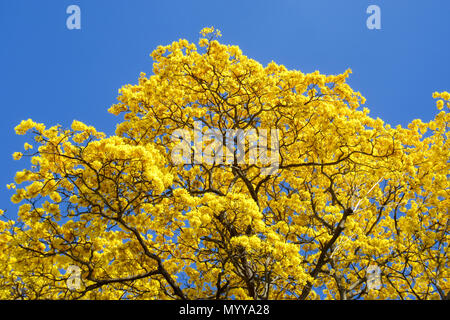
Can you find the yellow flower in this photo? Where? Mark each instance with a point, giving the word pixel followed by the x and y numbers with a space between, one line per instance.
pixel 203 42
pixel 27 146
pixel 73 199
pixel 78 126
pixel 206 31
pixel 34 189
pixel 11 186
pixel 24 126
pixel 55 197
pixel 17 155
pixel 16 198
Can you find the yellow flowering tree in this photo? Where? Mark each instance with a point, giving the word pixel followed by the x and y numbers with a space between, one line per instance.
pixel 348 192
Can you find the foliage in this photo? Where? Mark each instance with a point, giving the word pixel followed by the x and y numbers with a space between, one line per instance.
pixel 349 192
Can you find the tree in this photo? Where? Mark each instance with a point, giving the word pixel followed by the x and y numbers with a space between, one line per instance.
pixel 342 191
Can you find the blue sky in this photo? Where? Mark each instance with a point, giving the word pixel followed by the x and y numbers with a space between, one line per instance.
pixel 54 75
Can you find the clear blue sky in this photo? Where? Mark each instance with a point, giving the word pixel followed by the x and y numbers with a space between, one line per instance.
pixel 54 75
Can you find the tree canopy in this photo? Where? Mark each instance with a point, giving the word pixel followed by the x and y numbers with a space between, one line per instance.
pixel 138 221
